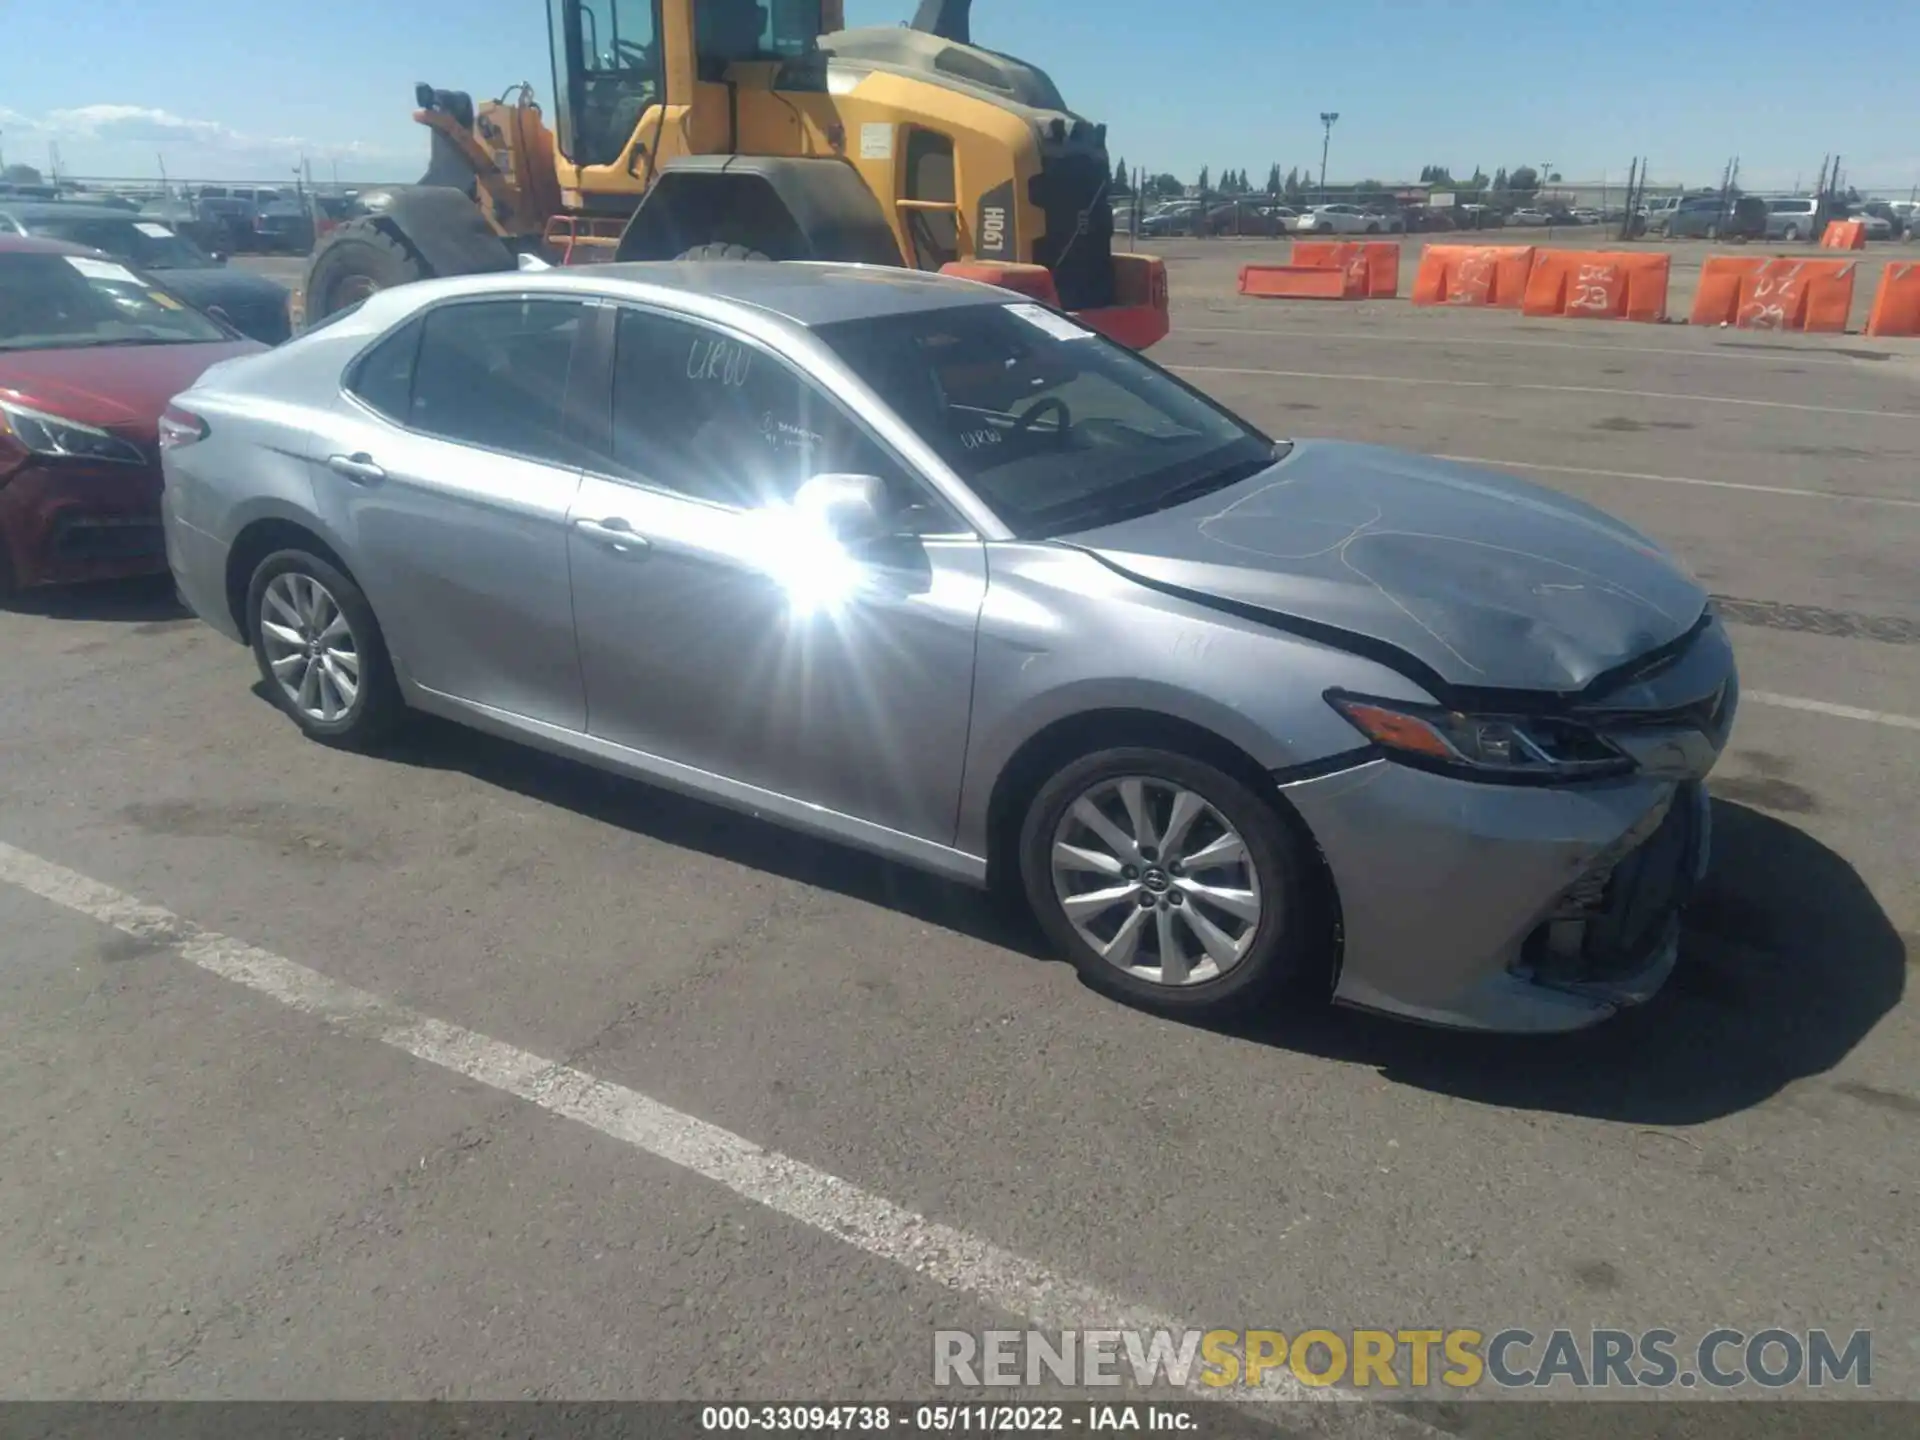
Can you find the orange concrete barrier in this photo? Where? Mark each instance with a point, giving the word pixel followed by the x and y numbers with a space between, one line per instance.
pixel 1896 307
pixel 1377 260
pixel 1303 282
pixel 1781 294
pixel 1599 285
pixel 1473 275
pixel 1844 235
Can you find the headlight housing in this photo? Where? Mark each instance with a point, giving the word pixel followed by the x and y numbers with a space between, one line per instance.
pixel 1509 749
pixel 55 437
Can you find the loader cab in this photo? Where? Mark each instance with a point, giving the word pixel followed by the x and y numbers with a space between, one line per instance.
pixel 611 62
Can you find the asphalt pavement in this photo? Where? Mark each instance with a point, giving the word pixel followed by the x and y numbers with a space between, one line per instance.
pixel 462 1072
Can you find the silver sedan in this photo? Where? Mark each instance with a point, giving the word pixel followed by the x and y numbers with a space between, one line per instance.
pixel 919 566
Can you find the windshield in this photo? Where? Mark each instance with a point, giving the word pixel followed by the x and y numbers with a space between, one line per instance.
pixel 146 243
pixel 1053 427
pixel 59 302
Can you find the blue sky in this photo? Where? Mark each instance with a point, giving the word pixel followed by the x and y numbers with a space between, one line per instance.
pixel 241 88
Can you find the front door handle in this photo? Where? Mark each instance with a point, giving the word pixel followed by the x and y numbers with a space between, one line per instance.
pixel 615 534
pixel 358 468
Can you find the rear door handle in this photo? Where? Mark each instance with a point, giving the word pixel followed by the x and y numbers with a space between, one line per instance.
pixel 358 468
pixel 615 534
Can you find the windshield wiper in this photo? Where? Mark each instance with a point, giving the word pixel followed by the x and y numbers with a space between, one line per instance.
pixel 1217 479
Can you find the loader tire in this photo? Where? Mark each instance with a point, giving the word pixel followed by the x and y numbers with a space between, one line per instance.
pixel 352 264
pixel 723 250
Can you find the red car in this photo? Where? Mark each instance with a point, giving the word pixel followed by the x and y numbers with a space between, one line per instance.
pixel 90 353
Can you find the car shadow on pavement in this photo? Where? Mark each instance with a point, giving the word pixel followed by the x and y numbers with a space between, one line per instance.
pixel 1787 961
pixel 674 819
pixel 149 600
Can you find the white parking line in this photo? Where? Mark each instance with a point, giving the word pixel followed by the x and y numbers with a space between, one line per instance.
pixel 1827 707
pixel 1452 383
pixel 1783 357
pixel 938 1252
pixel 1786 490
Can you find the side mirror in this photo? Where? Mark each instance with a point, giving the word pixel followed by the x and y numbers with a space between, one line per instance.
pixel 854 509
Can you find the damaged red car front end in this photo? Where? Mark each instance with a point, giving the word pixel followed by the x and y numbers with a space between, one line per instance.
pixel 90 353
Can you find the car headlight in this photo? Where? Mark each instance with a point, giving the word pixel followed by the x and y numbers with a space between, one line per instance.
pixel 1502 748
pixel 56 437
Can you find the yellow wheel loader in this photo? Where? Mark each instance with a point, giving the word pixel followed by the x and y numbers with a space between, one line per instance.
pixel 707 128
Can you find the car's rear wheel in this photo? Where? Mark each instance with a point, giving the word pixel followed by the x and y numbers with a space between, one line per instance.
pixel 320 650
pixel 1167 881
pixel 1792 232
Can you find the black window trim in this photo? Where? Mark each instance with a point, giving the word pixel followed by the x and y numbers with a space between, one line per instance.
pixel 351 369
pixel 602 354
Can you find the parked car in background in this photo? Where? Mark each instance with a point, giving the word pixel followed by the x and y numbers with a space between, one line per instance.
pixel 283 227
pixel 1880 218
pixel 1337 219
pixel 1427 218
pixel 1479 217
pixel 1415 768
pixel 1715 217
pixel 1183 217
pixel 90 352
pixel 1241 217
pixel 1797 218
pixel 252 304
pixel 1528 216
pixel 1907 213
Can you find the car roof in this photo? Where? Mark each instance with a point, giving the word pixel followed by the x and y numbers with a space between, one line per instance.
pixel 806 293
pixel 34 245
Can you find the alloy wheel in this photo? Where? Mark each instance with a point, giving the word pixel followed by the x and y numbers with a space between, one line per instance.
pixel 1156 880
pixel 310 647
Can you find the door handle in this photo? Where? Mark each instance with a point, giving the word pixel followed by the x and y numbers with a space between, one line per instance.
pixel 615 534
pixel 358 468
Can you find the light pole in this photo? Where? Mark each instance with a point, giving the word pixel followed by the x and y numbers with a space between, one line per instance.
pixel 1327 117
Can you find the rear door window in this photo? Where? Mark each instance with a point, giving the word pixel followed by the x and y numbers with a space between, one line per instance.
pixel 493 373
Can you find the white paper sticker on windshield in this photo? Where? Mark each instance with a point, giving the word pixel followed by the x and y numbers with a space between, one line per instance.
pixel 1058 326
pixel 102 269
pixel 876 142
pixel 158 232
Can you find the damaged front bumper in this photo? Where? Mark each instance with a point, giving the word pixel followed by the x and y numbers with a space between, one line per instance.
pixel 1499 907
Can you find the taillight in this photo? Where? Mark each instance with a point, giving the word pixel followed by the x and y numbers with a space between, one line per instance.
pixel 180 427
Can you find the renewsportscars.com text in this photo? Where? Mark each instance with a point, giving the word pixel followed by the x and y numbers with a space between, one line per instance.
pixel 1461 1359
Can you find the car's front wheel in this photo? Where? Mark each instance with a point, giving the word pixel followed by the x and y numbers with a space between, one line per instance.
pixel 1168 882
pixel 320 650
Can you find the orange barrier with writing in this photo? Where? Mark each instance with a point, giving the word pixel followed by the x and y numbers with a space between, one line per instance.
pixel 1759 294
pixel 1473 275
pixel 1844 235
pixel 1896 307
pixel 1303 282
pixel 1377 260
pixel 1599 285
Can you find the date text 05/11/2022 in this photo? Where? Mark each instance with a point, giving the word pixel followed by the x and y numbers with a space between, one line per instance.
pixel 950 1419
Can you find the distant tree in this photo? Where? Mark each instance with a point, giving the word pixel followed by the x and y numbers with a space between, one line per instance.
pixel 1369 187
pixel 1292 188
pixel 1122 178
pixel 1524 181
pixel 21 175
pixel 1438 175
pixel 1274 183
pixel 1479 180
pixel 1166 185
pixel 1500 181
pixel 1206 176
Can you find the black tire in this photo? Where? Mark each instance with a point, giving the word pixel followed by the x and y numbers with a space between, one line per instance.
pixel 1791 233
pixel 1286 942
pixel 377 707
pixel 352 263
pixel 723 250
pixel 1373 229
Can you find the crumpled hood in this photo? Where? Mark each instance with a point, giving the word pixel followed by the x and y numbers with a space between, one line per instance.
pixel 1483 579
